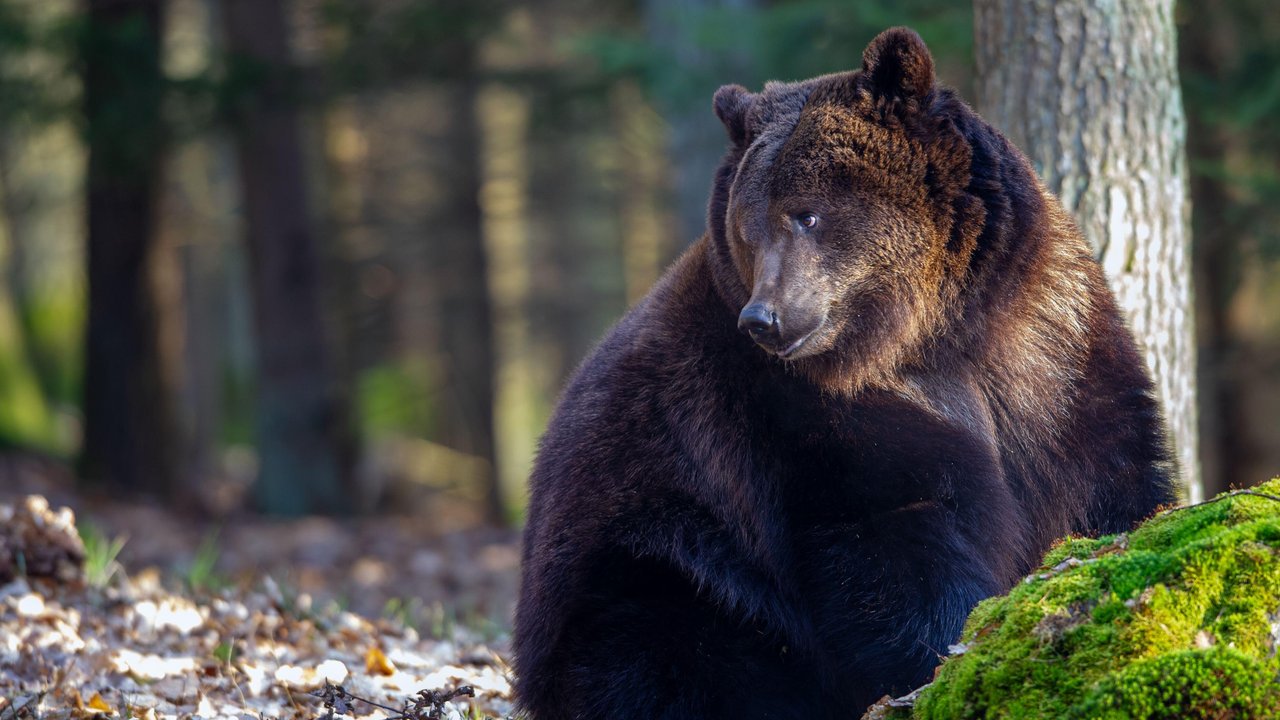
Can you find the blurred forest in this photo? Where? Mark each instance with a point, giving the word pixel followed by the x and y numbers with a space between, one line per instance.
pixel 339 255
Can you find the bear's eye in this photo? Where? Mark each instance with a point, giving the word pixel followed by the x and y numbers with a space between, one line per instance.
pixel 808 221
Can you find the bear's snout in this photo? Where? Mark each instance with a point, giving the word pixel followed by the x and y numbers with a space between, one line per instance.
pixel 786 339
pixel 760 321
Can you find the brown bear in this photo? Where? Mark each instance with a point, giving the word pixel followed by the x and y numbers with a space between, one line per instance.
pixel 877 389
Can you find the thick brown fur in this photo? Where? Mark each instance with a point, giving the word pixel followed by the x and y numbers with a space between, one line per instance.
pixel 792 527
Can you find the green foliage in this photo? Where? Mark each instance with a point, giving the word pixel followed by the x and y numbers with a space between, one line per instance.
pixel 1174 620
pixel 395 399
pixel 781 41
pixel 446 619
pixel 202 575
pixel 36 53
pixel 1230 70
pixel 40 368
pixel 224 652
pixel 25 419
pixel 100 553
pixel 237 407
pixel 405 613
pixel 54 321
pixel 374 44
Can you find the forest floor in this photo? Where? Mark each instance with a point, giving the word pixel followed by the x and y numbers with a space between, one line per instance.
pixel 171 616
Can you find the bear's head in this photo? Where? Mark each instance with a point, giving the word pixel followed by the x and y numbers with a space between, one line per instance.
pixel 840 220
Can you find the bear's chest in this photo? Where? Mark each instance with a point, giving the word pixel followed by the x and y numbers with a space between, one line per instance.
pixel 836 460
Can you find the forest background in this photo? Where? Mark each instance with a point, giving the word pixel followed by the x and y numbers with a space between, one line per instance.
pixel 339 256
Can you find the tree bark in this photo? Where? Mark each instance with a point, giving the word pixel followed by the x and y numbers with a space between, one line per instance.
pixel 301 423
pixel 130 435
pixel 1089 90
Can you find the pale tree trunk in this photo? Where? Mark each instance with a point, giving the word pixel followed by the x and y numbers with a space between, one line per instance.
pixel 503 116
pixel 1089 90
pixel 301 421
pixel 644 223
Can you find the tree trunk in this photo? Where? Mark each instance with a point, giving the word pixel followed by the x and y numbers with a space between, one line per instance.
pixel 130 437
pixel 300 419
pixel 504 125
pixel 195 232
pixel 644 248
pixel 1089 90
pixel 696 141
pixel 469 358
pixel 1233 444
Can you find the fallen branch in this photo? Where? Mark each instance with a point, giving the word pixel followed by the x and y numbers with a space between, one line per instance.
pixel 426 705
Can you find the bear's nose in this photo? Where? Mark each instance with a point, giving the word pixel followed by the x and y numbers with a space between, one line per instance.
pixel 758 319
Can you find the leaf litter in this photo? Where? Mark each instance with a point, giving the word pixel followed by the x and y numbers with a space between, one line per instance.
pixel 132 648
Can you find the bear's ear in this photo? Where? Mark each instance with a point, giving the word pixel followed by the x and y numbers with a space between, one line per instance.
pixel 898 65
pixel 731 104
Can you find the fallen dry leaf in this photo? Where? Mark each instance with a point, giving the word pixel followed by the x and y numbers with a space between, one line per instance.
pixel 376 662
pixel 96 703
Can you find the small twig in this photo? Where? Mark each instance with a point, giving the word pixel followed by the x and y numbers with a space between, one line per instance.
pixel 1223 496
pixel 14 711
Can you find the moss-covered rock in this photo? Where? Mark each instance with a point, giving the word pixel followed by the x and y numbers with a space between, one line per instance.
pixel 1178 619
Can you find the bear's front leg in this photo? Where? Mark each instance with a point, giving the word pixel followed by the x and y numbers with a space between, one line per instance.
pixel 647 645
pixel 897 588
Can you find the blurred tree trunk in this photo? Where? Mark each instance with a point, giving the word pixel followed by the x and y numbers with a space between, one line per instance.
pixel 1089 90
pixel 696 140
pixel 504 125
pixel 198 234
pixel 462 271
pixel 341 145
pixel 1229 439
pixel 300 419
pixel 645 235
pixel 571 289
pixel 567 199
pixel 194 232
pixel 130 434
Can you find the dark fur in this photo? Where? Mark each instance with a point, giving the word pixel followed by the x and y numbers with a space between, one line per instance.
pixel 715 532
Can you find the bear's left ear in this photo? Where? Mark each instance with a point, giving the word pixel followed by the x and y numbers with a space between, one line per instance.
pixel 898 65
pixel 731 104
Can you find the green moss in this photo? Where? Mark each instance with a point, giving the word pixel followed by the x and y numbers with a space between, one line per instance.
pixel 1212 683
pixel 1178 619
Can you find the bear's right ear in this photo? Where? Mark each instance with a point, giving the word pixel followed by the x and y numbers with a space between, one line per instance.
pixel 731 104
